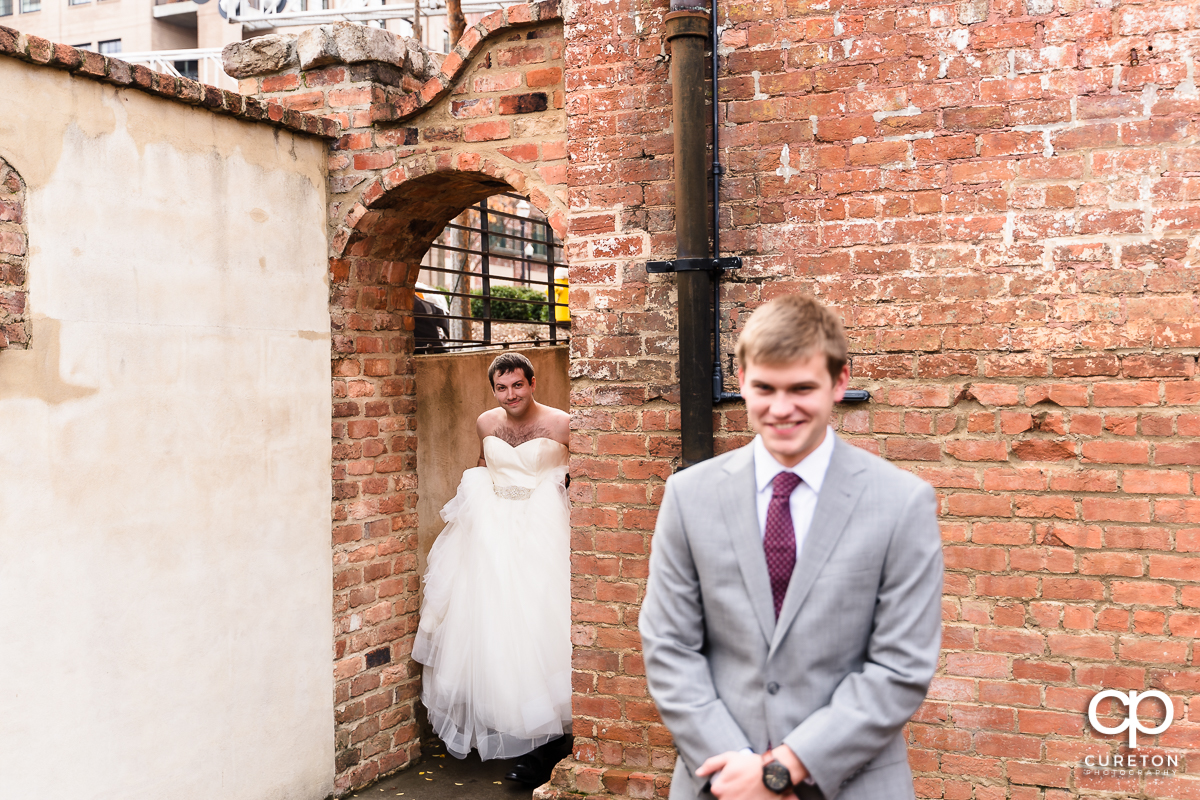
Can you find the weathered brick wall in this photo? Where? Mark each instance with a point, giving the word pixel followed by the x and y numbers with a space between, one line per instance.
pixel 413 155
pixel 1002 201
pixel 999 199
pixel 14 245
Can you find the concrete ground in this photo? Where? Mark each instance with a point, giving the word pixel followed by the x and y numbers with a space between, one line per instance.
pixel 438 776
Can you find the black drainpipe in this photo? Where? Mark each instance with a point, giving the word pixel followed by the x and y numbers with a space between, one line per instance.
pixel 690 27
pixel 688 32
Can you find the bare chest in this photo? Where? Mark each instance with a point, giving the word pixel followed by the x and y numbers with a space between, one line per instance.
pixel 515 435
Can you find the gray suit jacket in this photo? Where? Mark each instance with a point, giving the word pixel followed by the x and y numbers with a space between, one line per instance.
pixel 857 640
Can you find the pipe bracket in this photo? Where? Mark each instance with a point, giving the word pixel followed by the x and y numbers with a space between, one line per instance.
pixel 695 264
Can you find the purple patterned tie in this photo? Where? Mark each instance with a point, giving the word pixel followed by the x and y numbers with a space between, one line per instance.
pixel 779 539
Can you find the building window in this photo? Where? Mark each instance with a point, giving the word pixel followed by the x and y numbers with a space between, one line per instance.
pixel 78 2
pixel 84 46
pixel 5 8
pixel 28 6
pixel 445 41
pixel 188 69
pixel 110 47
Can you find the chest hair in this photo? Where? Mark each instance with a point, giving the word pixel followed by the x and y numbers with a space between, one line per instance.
pixel 516 436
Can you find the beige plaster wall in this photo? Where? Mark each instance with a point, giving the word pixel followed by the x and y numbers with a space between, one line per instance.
pixel 165 566
pixel 452 391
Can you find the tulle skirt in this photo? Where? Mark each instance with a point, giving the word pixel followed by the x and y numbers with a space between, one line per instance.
pixel 495 630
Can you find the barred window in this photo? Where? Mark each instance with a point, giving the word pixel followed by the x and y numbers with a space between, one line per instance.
pixel 494 276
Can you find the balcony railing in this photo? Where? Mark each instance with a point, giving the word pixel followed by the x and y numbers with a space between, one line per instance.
pixel 261 14
pixel 202 65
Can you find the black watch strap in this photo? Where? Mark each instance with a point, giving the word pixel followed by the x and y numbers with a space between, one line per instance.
pixel 777 778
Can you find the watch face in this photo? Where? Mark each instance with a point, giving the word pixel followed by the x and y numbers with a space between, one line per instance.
pixel 776 777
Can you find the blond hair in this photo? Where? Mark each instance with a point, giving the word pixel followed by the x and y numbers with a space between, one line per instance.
pixel 791 328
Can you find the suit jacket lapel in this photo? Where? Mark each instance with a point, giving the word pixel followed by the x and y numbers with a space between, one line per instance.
pixel 839 493
pixel 740 514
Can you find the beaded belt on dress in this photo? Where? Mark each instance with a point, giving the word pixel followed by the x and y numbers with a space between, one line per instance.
pixel 513 492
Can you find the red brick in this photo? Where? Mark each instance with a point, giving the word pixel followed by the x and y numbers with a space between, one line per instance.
pixel 487 131
pixel 1044 450
pixel 1116 452
pixel 1006 586
pixel 913 450
pixel 1034 721
pixel 1081 646
pixel 1021 772
pixel 1180 568
pixel 1126 394
pixel 1153 652
pixel 1176 510
pixel 1125 564
pixel 977 450
pixel 1185 453
pixel 1001 532
pixel 979 505
pixel 1072 589
pixel 1010 641
pixel 537 78
pixel 1059 394
pixel 1143 593
pixel 995 394
pixel 1114 509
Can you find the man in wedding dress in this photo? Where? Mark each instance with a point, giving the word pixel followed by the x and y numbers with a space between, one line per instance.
pixel 494 634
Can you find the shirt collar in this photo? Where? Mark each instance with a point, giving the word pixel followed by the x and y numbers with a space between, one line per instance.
pixel 811 470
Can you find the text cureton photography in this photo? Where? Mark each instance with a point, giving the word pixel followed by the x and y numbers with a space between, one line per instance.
pixel 1130 763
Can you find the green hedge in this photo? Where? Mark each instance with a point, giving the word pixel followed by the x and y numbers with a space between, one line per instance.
pixel 504 307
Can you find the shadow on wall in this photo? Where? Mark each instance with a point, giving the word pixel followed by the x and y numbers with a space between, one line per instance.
pixel 452 391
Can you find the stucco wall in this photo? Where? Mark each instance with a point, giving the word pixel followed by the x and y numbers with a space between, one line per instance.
pixel 452 391
pixel 165 570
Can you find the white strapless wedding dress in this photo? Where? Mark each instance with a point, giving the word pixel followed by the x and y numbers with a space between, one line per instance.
pixel 495 630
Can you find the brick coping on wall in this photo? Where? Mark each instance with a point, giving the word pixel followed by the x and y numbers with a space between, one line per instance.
pixel 400 108
pixel 87 64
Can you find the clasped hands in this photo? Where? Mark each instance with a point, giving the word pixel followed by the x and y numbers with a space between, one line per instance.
pixel 741 773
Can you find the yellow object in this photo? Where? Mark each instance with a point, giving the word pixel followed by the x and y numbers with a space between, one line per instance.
pixel 562 311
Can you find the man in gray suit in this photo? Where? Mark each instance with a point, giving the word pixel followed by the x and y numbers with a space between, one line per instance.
pixel 792 618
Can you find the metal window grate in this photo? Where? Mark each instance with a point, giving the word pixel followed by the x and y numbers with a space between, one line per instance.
pixel 488 280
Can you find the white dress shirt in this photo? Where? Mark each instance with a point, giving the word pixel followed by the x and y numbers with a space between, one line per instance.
pixel 803 501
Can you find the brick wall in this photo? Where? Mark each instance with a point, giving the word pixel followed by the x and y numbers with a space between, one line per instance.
pixel 1003 201
pixel 419 145
pixel 14 240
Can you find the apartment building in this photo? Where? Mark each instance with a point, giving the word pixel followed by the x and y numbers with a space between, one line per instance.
pixel 122 26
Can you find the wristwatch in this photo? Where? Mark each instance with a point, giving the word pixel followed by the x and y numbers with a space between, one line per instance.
pixel 777 778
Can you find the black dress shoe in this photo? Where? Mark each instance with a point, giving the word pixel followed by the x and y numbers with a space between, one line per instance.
pixel 535 767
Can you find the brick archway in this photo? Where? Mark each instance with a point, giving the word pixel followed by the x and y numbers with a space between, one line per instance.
pixel 376 576
pixel 426 191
